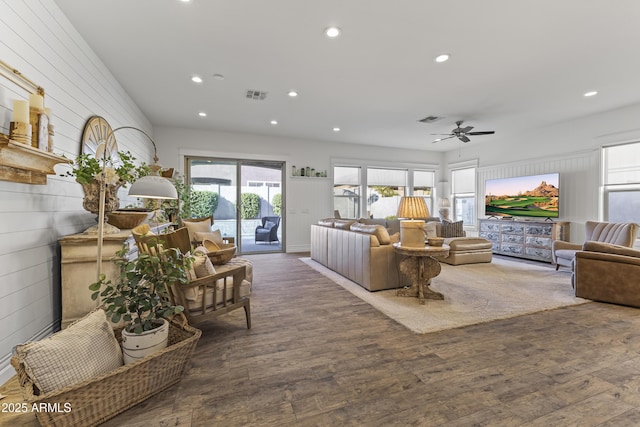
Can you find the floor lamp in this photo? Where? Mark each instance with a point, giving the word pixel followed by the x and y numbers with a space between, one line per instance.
pixel 412 232
pixel 152 186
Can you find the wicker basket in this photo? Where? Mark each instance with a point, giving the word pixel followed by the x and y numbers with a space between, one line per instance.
pixel 222 255
pixel 94 401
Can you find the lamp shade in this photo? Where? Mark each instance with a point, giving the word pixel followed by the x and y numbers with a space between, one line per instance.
pixel 153 187
pixel 413 207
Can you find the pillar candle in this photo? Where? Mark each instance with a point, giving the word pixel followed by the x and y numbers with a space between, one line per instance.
pixel 20 111
pixel 36 101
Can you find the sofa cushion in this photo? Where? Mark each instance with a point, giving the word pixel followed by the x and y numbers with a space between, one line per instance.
pixel 379 231
pixel 468 244
pixel 452 229
pixel 86 349
pixel 344 224
pixel 327 222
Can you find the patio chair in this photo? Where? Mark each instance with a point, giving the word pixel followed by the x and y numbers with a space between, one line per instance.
pixel 268 231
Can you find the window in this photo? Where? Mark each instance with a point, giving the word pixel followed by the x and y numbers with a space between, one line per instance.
pixel 423 182
pixel 621 182
pixel 463 184
pixel 385 187
pixel 346 191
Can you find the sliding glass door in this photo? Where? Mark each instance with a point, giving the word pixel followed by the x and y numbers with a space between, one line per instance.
pixel 246 198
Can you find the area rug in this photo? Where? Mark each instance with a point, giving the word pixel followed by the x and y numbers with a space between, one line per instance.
pixel 473 293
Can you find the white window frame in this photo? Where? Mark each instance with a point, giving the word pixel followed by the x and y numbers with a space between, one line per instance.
pixel 459 195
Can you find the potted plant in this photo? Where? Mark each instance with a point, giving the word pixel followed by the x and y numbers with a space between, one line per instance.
pixel 140 298
pixel 119 171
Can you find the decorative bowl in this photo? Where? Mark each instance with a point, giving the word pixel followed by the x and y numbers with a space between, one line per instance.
pixel 221 253
pixel 126 220
pixel 435 241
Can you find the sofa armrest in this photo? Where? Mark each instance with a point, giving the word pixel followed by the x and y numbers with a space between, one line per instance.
pixel 609 248
pixel 561 245
pixel 586 256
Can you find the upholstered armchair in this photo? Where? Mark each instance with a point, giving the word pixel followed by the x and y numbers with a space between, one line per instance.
pixel 608 273
pixel 622 234
pixel 268 231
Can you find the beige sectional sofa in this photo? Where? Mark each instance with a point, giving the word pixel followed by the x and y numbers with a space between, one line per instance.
pixel 362 250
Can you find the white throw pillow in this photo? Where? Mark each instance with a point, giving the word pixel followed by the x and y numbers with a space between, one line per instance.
pixel 431 229
pixel 86 349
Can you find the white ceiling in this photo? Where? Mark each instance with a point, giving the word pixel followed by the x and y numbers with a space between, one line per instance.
pixel 515 65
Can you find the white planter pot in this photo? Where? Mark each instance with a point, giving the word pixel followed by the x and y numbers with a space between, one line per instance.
pixel 137 346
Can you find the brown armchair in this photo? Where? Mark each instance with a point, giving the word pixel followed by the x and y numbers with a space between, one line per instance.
pixel 608 273
pixel 622 234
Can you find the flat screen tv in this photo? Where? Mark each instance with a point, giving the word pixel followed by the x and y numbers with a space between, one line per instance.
pixel 532 196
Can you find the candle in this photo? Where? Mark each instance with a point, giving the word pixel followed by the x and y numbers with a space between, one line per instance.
pixel 20 111
pixel 36 101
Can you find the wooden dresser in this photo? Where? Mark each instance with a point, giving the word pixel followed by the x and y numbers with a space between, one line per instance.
pixel 524 239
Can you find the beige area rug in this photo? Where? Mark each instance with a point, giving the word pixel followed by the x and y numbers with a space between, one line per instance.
pixel 473 293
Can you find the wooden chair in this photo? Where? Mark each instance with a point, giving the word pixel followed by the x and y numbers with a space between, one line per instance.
pixel 208 297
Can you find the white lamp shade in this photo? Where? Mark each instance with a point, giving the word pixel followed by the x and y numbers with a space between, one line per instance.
pixel 153 187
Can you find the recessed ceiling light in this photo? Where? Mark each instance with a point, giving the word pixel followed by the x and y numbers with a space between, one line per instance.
pixel 186 1
pixel 202 114
pixel 442 58
pixel 332 32
pixel 592 93
pixel 336 129
pixel 274 122
pixel 292 93
pixel 218 76
pixel 196 79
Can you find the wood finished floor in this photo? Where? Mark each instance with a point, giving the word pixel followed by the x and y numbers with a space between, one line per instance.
pixel 319 356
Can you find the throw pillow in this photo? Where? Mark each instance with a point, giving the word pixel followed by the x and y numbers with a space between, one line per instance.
pixel 86 349
pixel 452 229
pixel 215 236
pixel 197 226
pixel 202 264
pixel 268 225
pixel 431 229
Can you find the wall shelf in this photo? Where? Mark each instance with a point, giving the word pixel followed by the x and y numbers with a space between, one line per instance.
pixel 22 162
pixel 26 164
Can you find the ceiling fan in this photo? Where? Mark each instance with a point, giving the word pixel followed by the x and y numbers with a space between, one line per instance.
pixel 461 133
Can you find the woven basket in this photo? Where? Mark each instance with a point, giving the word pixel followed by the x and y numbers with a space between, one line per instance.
pixel 94 401
pixel 126 220
pixel 223 255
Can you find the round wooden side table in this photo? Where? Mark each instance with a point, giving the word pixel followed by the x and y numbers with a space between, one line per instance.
pixel 421 265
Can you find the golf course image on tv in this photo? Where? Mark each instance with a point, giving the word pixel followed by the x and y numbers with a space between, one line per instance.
pixel 533 195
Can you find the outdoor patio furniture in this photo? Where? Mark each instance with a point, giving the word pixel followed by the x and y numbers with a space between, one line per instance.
pixel 268 231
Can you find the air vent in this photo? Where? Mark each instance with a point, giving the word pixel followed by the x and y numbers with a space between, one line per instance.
pixel 258 95
pixel 431 119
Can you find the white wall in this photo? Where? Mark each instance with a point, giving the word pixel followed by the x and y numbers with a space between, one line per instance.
pixel 37 39
pixel 570 148
pixel 308 199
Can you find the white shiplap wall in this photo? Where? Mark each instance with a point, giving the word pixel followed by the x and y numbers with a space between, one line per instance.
pixel 37 39
pixel 579 179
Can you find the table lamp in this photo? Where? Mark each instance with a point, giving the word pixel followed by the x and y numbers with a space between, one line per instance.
pixel 412 232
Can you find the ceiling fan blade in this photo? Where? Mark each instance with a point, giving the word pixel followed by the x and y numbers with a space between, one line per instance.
pixel 445 134
pixel 464 138
pixel 489 132
pixel 466 129
pixel 442 139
